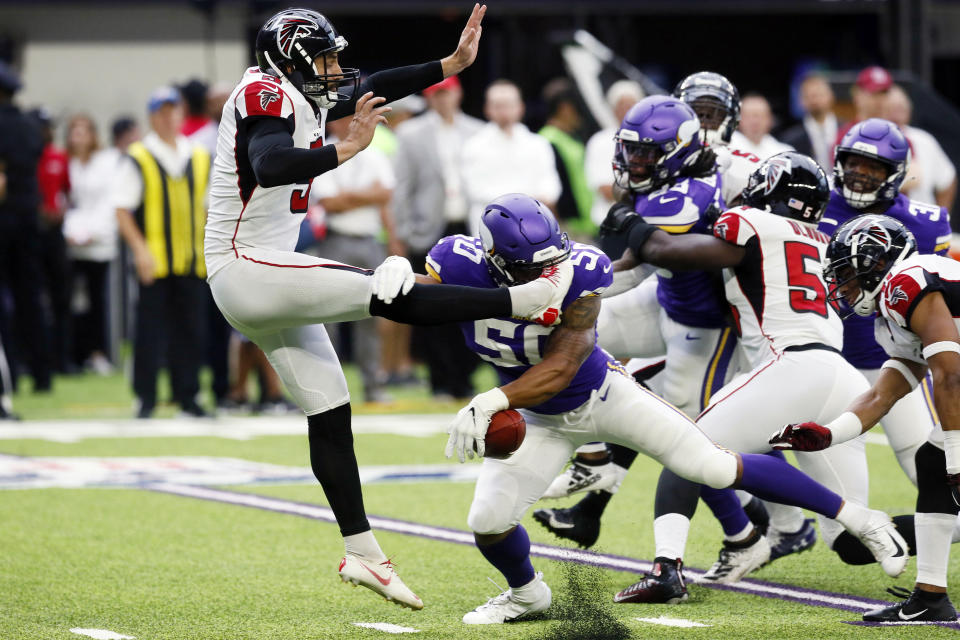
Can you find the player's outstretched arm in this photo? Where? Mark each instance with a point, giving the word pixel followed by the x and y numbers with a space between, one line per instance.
pixel 393 84
pixel 567 348
pixel 897 378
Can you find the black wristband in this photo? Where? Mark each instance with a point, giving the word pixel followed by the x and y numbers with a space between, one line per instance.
pixel 640 232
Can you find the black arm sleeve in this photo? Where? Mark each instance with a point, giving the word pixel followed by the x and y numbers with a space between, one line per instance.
pixel 274 159
pixel 428 304
pixel 392 84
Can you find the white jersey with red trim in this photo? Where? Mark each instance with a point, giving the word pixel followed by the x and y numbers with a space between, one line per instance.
pixel 734 167
pixel 777 293
pixel 902 288
pixel 240 212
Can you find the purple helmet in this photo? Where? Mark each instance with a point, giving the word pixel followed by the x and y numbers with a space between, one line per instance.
pixel 879 141
pixel 658 137
pixel 520 238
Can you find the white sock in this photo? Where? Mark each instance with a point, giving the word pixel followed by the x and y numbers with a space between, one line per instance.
pixel 530 591
pixel 853 517
pixel 365 546
pixel 742 535
pixel 934 532
pixel 670 535
pixel 956 531
pixel 744 497
pixel 784 518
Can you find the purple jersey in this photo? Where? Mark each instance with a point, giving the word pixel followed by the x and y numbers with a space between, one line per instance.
pixel 929 224
pixel 511 345
pixel 692 298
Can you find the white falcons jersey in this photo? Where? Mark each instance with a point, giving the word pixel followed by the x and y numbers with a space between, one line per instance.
pixel 902 288
pixel 241 213
pixel 777 293
pixel 734 167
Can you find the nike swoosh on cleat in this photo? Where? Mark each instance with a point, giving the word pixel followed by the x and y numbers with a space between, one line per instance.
pixel 899 552
pixel 379 579
pixel 556 524
pixel 910 616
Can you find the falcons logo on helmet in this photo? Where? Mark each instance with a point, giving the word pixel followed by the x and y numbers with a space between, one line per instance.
pixel 291 29
pixel 775 168
pixel 267 97
pixel 870 229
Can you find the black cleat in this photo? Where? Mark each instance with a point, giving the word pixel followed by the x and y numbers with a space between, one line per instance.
pixel 919 606
pixel 663 585
pixel 570 524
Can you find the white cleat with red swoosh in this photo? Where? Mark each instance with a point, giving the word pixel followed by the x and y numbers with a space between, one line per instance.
pixel 379 577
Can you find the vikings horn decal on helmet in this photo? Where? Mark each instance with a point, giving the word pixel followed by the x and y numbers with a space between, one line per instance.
pixel 520 238
pixel 291 41
pixel 716 102
pixel 789 184
pixel 875 140
pixel 658 138
pixel 864 249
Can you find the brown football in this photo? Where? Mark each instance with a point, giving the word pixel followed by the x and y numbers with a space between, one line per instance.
pixel 505 434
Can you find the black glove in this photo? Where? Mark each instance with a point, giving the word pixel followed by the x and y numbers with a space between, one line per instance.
pixel 620 219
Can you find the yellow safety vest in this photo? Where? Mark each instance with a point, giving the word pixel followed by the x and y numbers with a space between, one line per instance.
pixel 173 213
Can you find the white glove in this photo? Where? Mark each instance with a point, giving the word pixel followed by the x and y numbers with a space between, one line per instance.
pixel 392 278
pixel 469 428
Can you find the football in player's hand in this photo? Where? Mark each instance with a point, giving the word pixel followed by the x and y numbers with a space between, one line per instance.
pixel 505 434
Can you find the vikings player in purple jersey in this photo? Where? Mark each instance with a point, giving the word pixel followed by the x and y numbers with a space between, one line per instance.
pixel 570 391
pixel 670 178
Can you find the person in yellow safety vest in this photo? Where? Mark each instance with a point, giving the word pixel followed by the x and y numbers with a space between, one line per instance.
pixel 160 200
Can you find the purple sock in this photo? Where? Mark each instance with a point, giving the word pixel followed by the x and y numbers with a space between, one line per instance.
pixel 726 508
pixel 776 453
pixel 511 557
pixel 775 480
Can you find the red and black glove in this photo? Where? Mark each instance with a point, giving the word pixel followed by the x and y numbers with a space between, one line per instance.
pixel 806 436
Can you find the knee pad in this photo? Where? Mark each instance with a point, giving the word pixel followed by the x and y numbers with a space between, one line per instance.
pixel 719 469
pixel 486 519
pixel 933 494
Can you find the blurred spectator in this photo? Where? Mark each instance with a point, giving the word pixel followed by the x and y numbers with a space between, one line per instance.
pixel 756 122
pixel 54 182
pixel 385 138
pixel 931 176
pixel 123 132
pixel 355 197
pixel 869 95
pixel 816 134
pixel 206 136
pixel 159 200
pixel 506 157
pixel 90 229
pixel 621 95
pixel 194 94
pixel 6 381
pixel 21 144
pixel 248 357
pixel 218 330
pixel 429 203
pixel 564 120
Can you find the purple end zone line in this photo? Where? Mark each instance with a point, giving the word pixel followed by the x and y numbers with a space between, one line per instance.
pixel 812 597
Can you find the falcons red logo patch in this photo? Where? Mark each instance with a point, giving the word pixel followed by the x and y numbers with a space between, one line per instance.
pixel 720 229
pixel 898 295
pixel 267 97
pixel 291 29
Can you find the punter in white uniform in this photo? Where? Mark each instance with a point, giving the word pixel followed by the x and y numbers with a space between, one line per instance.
pixel 270 147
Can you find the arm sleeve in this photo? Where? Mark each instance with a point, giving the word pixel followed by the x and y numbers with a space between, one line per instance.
pixel 276 161
pixel 392 84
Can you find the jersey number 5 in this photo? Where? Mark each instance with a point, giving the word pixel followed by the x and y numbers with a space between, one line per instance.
pixel 807 291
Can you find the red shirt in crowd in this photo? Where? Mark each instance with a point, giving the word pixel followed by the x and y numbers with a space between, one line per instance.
pixel 53 178
pixel 191 124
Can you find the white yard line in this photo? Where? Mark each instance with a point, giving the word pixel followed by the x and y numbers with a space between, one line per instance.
pixel 673 622
pixel 385 627
pixel 101 634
